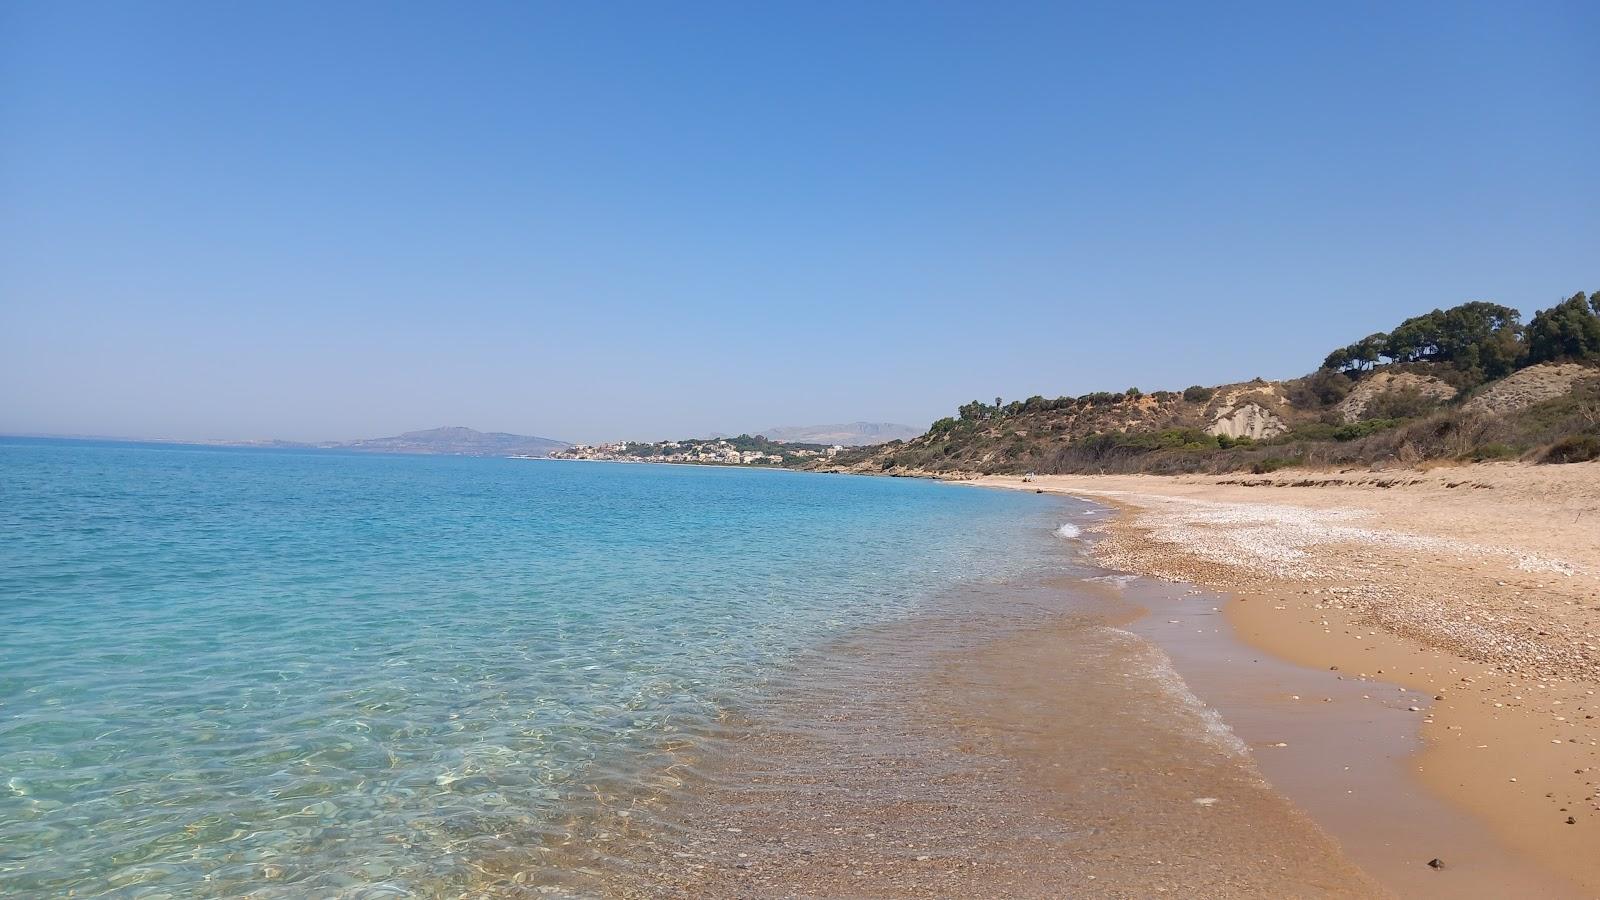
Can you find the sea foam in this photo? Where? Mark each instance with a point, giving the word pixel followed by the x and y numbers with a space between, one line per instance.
pixel 1200 718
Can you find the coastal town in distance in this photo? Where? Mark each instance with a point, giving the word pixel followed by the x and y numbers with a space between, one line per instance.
pixel 744 450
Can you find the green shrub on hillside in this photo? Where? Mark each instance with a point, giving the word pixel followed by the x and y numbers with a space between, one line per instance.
pixel 1400 403
pixel 1487 452
pixel 1099 398
pixel 1578 410
pixel 1343 432
pixel 1144 441
pixel 1354 431
pixel 977 411
pixel 1273 464
pixel 1573 448
pixel 1321 388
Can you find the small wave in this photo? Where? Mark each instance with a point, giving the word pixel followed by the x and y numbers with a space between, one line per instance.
pixel 1118 580
pixel 1068 530
pixel 1204 721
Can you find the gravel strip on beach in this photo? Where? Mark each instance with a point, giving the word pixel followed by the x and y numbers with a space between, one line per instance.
pixel 1376 573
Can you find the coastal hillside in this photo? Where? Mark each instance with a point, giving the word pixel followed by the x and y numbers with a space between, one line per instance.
pixel 847 434
pixel 1469 383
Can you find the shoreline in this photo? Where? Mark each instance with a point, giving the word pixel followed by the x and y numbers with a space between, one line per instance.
pixel 1477 585
pixel 1013 739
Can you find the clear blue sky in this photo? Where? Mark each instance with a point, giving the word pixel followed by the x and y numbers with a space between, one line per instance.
pixel 587 220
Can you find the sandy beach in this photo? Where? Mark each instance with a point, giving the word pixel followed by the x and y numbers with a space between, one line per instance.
pixel 1475 588
pixel 1357 684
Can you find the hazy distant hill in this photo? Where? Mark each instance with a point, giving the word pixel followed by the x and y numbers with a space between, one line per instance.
pixel 849 434
pixel 456 441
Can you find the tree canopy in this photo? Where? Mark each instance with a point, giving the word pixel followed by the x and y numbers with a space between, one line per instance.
pixel 1363 354
pixel 1479 337
pixel 1482 339
pixel 1568 330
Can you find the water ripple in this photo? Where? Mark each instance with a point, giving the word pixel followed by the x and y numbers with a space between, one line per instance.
pixel 283 674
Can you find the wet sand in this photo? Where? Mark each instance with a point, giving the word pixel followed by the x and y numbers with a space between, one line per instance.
pixel 1343 748
pixel 1475 585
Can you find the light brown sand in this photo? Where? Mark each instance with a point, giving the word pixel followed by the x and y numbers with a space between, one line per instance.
pixel 1479 585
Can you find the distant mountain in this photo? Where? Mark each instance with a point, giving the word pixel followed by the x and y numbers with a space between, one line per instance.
pixel 455 441
pixel 849 434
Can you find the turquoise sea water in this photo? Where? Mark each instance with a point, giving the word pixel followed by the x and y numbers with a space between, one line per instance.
pixel 231 671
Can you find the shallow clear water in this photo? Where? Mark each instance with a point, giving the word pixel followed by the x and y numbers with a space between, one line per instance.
pixel 227 671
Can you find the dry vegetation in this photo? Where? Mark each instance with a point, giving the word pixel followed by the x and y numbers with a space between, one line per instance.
pixel 1466 384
